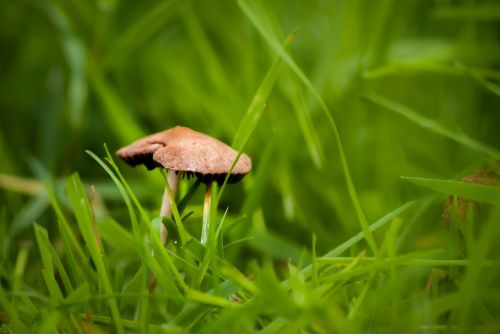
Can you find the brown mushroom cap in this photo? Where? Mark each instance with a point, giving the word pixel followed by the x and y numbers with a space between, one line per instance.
pixel 185 150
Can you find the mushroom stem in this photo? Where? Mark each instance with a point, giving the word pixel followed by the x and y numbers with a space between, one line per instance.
pixel 166 208
pixel 207 203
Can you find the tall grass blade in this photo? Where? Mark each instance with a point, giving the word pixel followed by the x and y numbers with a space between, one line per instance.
pixel 433 126
pixel 359 236
pixel 264 30
pixel 56 296
pixel 81 206
pixel 256 108
pixel 476 192
pixel 253 115
pixel 75 255
pixel 50 259
pixel 161 265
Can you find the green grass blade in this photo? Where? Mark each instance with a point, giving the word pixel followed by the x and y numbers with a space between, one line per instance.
pixel 46 250
pixel 49 322
pixel 264 30
pixel 74 253
pixel 205 298
pixel 79 296
pixel 211 242
pixel 56 296
pixel 299 106
pixel 133 218
pixel 252 116
pixel 361 298
pixel 123 186
pixel 359 236
pixel 184 235
pixel 81 206
pixel 314 263
pixel 162 265
pixel 476 192
pixel 433 126
pixel 193 311
pixel 165 260
pixel 373 227
pixel 256 108
pixel 254 113
pixel 20 267
pixel 384 264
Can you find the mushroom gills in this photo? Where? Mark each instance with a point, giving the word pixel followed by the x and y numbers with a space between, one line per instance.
pixel 209 178
pixel 145 159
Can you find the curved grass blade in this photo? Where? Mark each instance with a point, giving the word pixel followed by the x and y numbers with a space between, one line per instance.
pixel 158 267
pixel 81 206
pixel 164 262
pixel 476 192
pixel 359 236
pixel 253 114
pixel 73 251
pixel 256 108
pixel 50 259
pixel 433 126
pixel 184 234
pixel 55 293
pixel 122 184
pixel 300 106
pixel 265 31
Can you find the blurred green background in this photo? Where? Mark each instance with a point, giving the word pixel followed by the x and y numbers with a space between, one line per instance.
pixel 77 74
pixel 413 87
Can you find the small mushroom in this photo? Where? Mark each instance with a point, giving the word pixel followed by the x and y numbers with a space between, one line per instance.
pixel 181 149
pixel 207 158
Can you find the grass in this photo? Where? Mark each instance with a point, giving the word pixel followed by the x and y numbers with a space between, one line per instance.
pixel 338 228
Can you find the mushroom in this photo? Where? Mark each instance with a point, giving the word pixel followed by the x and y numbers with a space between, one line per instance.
pixel 205 157
pixel 181 149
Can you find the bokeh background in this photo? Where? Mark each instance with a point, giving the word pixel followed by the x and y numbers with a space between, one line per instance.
pixel 77 74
